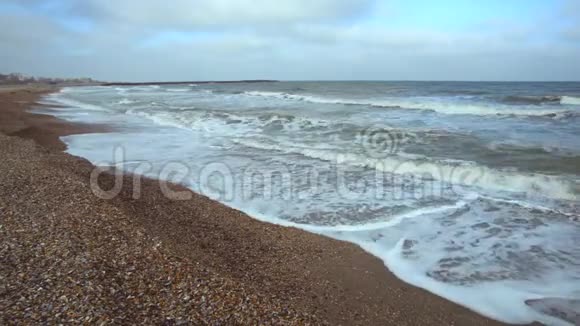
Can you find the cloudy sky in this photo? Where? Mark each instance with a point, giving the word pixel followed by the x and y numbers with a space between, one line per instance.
pixel 138 40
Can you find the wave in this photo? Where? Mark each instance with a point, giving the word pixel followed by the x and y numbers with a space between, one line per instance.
pixel 305 98
pixel 539 100
pixel 466 174
pixel 375 140
pixel 224 121
pixel 420 251
pixel 363 227
pixel 423 241
pixel 68 102
pixel 125 101
pixel 563 115
pixel 423 104
pixel 144 88
pixel 535 100
pixel 465 92
pixel 570 100
pixel 224 92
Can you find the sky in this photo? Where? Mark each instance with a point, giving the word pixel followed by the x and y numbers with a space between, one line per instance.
pixel 154 40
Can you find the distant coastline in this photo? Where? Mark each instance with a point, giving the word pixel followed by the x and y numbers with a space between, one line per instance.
pixel 13 79
pixel 189 82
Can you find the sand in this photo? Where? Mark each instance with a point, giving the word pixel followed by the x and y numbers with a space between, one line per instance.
pixel 68 256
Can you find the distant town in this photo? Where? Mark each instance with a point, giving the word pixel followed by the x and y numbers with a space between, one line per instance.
pixel 22 79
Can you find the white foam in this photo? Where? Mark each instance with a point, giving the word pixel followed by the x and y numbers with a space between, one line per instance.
pixel 390 222
pixel 427 104
pixel 305 98
pixel 501 299
pixel 126 101
pixel 570 100
pixel 68 102
pixel 143 88
pixel 468 175
pixel 162 118
pixel 535 206
pixel 222 121
pixel 433 226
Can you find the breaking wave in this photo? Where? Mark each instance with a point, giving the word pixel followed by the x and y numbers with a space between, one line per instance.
pixel 571 100
pixel 502 239
pixel 537 100
pixel 425 104
pixel 452 172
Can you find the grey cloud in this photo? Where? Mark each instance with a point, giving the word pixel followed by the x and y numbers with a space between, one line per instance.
pixel 26 31
pixel 572 34
pixel 220 13
pixel 301 40
pixel 571 9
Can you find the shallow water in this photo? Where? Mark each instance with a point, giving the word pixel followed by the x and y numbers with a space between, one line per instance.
pixel 469 190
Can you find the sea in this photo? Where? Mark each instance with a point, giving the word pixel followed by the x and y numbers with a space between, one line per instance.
pixel 470 190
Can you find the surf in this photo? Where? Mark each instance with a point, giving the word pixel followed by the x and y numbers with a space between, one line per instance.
pixel 499 239
pixel 439 105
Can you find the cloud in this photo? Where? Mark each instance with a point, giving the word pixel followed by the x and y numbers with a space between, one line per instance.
pixel 570 14
pixel 220 13
pixel 226 39
pixel 572 34
pixel 38 30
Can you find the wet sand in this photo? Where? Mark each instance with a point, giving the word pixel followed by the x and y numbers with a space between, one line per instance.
pixel 153 259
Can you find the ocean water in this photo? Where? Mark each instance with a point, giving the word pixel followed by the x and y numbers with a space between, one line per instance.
pixel 469 190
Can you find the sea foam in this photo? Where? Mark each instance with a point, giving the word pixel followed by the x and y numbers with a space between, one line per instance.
pixel 498 246
pixel 424 104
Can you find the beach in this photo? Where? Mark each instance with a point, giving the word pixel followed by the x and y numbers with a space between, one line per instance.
pixel 68 256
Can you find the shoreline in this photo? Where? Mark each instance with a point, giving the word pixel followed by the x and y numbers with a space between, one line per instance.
pixel 44 129
pixel 202 82
pixel 328 280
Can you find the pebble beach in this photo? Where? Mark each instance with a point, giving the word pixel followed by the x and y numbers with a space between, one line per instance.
pixel 67 256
